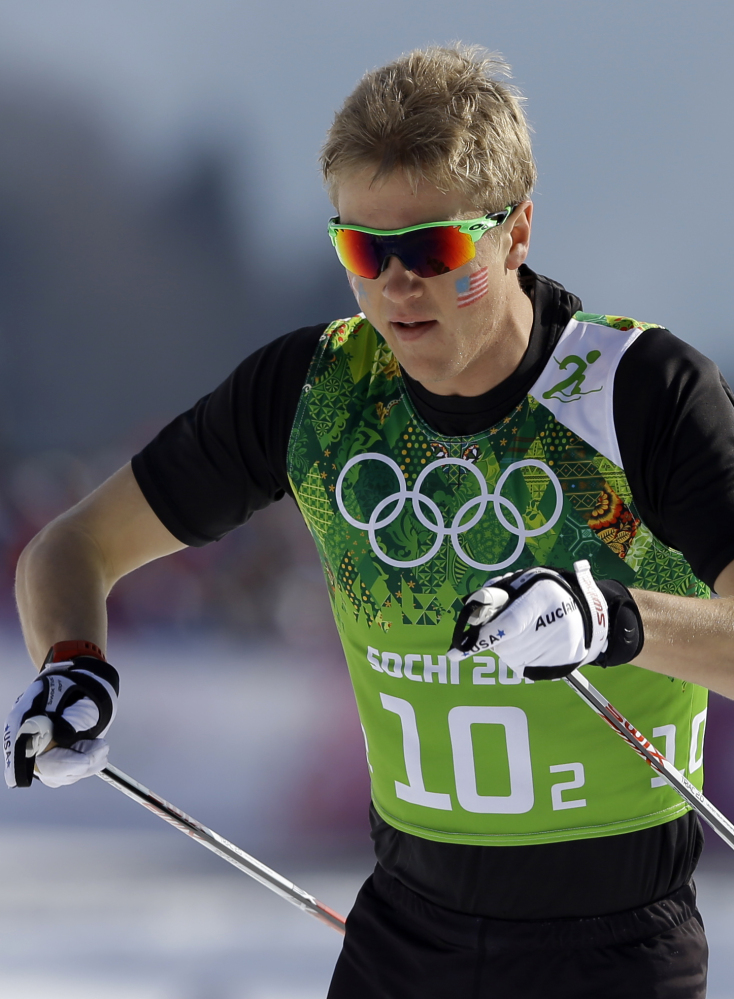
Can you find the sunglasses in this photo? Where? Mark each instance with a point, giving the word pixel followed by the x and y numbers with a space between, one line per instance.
pixel 426 250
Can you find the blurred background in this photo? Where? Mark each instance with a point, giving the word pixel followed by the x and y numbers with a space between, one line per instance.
pixel 161 216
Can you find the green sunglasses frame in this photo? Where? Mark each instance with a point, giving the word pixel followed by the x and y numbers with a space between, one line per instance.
pixel 475 228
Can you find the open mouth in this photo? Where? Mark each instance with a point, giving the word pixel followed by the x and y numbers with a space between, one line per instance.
pixel 417 325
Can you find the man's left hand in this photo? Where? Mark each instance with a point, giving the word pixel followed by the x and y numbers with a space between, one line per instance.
pixel 545 622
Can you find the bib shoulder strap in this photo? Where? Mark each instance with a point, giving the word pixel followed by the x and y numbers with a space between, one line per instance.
pixel 577 383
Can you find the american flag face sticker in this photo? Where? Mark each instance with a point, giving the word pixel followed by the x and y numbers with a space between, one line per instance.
pixel 471 288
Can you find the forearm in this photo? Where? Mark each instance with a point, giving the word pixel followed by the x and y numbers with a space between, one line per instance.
pixel 61 590
pixel 67 571
pixel 689 639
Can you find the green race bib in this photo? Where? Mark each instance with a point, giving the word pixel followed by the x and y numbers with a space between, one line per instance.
pixel 408 522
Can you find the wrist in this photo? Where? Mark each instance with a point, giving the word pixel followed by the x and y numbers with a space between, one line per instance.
pixel 73 656
pixel 63 652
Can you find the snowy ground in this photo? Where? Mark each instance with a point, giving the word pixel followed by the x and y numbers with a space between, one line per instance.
pixel 716 901
pixel 118 916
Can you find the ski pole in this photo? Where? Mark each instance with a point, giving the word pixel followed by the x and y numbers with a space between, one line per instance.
pixel 222 847
pixel 588 693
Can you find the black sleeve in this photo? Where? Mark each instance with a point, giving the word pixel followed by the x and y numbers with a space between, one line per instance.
pixel 674 416
pixel 212 467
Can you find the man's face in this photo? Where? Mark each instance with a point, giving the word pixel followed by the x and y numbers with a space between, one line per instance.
pixel 444 330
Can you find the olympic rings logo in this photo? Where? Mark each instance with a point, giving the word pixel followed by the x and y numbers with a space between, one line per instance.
pixel 395 503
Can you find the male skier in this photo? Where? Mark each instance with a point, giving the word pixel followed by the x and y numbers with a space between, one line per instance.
pixel 471 426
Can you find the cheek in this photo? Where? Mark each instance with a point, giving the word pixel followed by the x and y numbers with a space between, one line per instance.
pixel 357 286
pixel 471 287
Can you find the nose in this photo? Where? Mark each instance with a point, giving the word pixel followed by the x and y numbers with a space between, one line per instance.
pixel 400 284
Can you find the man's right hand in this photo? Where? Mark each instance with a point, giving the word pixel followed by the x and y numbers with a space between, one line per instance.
pixel 71 704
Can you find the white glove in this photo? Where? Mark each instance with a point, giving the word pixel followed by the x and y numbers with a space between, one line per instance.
pixel 546 622
pixel 71 703
pixel 60 766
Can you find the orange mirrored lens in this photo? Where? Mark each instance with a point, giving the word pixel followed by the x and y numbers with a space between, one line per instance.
pixel 426 252
pixel 357 252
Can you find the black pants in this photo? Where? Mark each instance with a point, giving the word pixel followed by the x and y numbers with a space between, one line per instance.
pixel 400 946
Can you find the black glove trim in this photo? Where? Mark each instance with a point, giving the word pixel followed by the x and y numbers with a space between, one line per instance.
pixel 461 640
pixel 85 685
pixel 100 668
pixel 104 670
pixel 23 765
pixel 626 634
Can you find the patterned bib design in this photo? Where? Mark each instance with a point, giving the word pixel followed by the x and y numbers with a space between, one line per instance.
pixel 408 522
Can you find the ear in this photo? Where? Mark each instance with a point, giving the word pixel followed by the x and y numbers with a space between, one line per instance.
pixel 520 223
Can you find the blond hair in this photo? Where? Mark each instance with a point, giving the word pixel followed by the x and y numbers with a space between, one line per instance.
pixel 439 115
